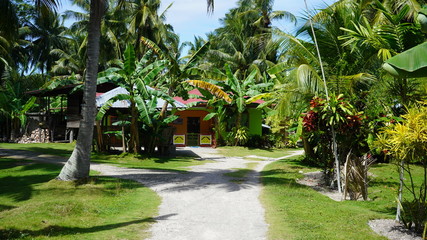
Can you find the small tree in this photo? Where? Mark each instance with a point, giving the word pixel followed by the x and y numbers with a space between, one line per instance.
pixel 318 122
pixel 406 143
pixel 133 76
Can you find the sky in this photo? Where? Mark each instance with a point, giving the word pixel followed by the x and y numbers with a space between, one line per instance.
pixel 189 17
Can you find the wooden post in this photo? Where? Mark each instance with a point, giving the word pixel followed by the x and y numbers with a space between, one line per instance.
pixel 99 142
pixel 71 135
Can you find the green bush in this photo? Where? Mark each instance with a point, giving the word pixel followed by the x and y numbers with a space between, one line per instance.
pixel 406 143
pixel 322 119
pixel 257 141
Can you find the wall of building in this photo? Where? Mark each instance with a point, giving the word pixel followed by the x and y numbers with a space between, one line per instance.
pixel 181 124
pixel 255 121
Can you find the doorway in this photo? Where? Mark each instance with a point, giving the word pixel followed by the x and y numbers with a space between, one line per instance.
pixel 193 131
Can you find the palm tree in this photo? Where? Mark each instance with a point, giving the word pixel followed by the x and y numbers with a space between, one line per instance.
pixel 395 33
pixel 144 21
pixel 71 60
pixel 8 32
pixel 114 35
pixel 245 40
pixel 46 34
pixel 78 165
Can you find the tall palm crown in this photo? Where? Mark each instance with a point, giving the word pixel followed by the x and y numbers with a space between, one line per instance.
pixel 245 39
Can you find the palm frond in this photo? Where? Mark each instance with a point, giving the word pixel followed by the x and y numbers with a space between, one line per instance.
pixel 212 88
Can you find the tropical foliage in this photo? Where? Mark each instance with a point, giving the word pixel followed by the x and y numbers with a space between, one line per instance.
pixel 134 76
pixel 342 98
pixel 406 143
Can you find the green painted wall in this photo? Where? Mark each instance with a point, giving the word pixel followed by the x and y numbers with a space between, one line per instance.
pixel 255 121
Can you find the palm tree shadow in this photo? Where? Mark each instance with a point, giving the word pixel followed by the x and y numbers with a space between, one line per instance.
pixel 55 230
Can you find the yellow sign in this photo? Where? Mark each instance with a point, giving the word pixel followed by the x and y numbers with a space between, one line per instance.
pixel 179 139
pixel 205 139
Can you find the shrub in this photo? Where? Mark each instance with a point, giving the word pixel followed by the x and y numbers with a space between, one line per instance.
pixel 257 141
pixel 238 136
pixel 323 116
pixel 406 143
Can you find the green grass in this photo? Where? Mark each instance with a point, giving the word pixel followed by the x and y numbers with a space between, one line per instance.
pixel 295 211
pixel 58 149
pixel 178 163
pixel 244 151
pixel 33 206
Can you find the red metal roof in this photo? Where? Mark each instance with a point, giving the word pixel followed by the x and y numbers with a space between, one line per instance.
pixel 197 92
pixel 190 100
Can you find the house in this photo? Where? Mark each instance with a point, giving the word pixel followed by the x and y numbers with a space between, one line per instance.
pixel 107 125
pixel 189 129
pixel 192 130
pixel 61 123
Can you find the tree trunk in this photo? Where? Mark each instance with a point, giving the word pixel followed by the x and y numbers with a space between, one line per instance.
pixel 100 140
pixel 78 165
pixel 308 148
pixel 399 197
pixel 238 124
pixel 165 105
pixel 337 162
pixel 136 147
pixel 13 129
pixel 123 138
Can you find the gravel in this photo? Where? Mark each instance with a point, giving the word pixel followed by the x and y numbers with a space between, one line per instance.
pixel 392 230
pixel 203 203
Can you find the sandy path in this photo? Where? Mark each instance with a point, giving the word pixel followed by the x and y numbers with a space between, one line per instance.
pixel 203 203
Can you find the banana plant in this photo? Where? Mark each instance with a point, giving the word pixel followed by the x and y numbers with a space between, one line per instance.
pixel 134 76
pixel 14 104
pixel 235 92
pixel 179 69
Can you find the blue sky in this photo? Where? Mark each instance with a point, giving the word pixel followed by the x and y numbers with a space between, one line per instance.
pixel 189 17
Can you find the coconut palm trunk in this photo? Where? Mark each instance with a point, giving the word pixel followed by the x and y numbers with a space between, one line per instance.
pixel 78 165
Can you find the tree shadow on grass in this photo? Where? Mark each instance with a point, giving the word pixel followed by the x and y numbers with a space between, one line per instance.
pixel 299 163
pixel 6 163
pixel 55 230
pixel 38 151
pixel 5 207
pixel 388 210
pixel 19 188
pixel 278 177
pixel 51 151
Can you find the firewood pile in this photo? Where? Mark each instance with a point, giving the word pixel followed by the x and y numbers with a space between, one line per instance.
pixel 36 136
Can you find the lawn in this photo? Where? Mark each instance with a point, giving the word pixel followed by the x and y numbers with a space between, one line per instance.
pixel 58 149
pixel 244 152
pixel 33 206
pixel 295 211
pixel 178 163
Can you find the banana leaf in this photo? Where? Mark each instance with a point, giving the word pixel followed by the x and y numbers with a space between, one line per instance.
pixel 411 63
